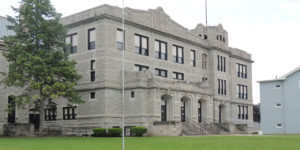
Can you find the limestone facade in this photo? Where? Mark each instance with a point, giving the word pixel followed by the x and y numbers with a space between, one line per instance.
pixel 211 80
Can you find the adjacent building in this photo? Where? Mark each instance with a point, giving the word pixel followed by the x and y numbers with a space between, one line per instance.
pixel 172 75
pixel 280 102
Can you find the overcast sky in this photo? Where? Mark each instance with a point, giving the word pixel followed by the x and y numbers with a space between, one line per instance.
pixel 267 29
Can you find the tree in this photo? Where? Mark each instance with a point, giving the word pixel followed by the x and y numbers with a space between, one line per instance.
pixel 36 58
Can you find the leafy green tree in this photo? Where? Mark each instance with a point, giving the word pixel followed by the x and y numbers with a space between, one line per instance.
pixel 36 56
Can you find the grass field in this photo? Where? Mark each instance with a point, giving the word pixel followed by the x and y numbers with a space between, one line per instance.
pixel 275 142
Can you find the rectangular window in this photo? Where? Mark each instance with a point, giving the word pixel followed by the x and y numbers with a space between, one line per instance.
pixel 278 125
pixel 141 44
pixel 120 39
pixel 71 41
pixel 193 58
pixel 222 87
pixel 239 111
pixel 204 61
pixel 161 72
pixel 91 39
pixel 93 75
pixel 221 64
pixel 242 91
pixel 132 94
pixel 277 86
pixel 178 76
pixel 50 114
pixel 160 50
pixel 140 67
pixel 278 105
pixel 243 112
pixel 69 113
pixel 241 71
pixel 93 95
pixel 178 54
pixel 246 117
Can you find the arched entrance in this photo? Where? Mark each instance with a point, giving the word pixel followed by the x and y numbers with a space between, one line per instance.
pixel 221 113
pixel 185 109
pixel 202 110
pixel 166 108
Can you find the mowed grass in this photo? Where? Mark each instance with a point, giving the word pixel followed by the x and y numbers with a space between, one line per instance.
pixel 274 142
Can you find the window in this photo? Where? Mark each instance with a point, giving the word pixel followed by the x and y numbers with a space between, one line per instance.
pixel 93 95
pixel 242 91
pixel 140 67
pixel 132 94
pixel 50 114
pixel 242 112
pixel 120 39
pixel 241 71
pixel 69 113
pixel 221 87
pixel 93 75
pixel 71 41
pixel 177 75
pixel 204 79
pixel 177 54
pixel 141 44
pixel 91 39
pixel 239 111
pixel 278 125
pixel 193 58
pixel 161 72
pixel 205 37
pixel 160 50
pixel 221 64
pixel 277 86
pixel 278 105
pixel 204 61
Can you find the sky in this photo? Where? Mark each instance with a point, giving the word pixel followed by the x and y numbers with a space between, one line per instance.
pixel 267 29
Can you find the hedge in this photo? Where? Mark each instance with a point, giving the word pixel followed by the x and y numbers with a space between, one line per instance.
pixel 115 131
pixel 99 131
pixel 138 131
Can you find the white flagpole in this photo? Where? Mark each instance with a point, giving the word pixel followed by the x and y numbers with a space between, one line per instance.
pixel 206 13
pixel 123 78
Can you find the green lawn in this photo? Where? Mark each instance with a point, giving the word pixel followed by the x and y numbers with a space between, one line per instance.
pixel 274 142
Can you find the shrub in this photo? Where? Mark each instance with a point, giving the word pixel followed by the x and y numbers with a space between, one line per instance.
pixel 138 131
pixel 115 131
pixel 99 131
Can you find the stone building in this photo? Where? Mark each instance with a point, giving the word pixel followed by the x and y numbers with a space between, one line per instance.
pixel 173 75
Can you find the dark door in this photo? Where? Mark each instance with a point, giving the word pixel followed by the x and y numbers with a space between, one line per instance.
pixel 183 112
pixel 220 114
pixel 163 113
pixel 200 112
pixel 35 119
pixel 11 118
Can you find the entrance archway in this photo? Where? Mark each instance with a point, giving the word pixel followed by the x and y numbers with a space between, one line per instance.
pixel 202 110
pixel 166 108
pixel 185 108
pixel 221 113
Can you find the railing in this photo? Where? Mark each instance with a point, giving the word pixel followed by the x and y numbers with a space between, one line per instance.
pixel 205 127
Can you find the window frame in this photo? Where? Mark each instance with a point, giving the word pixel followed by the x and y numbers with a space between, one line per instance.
pixel 160 53
pixel 176 58
pixel 140 67
pixel 242 91
pixel 177 75
pixel 160 72
pixel 140 48
pixel 123 40
pixel 72 49
pixel 193 60
pixel 50 114
pixel 91 44
pixel 71 115
pixel 93 70
pixel 204 61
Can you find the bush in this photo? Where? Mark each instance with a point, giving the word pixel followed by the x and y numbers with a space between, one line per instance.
pixel 115 131
pixel 99 131
pixel 138 131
